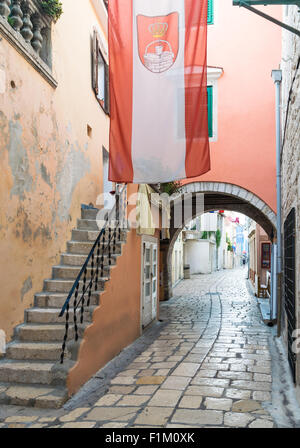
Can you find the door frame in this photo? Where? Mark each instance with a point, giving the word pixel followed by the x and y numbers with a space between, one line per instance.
pixel 151 240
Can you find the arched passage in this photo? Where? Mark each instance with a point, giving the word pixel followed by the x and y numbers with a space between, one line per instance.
pixel 217 196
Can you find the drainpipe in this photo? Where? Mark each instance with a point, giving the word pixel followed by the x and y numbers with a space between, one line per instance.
pixel 277 78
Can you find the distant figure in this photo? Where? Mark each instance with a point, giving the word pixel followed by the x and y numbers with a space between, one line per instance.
pixel 244 262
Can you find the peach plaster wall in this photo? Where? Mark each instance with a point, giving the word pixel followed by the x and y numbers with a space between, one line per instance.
pixel 247 47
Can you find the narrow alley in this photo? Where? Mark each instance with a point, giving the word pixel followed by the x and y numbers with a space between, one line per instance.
pixel 207 363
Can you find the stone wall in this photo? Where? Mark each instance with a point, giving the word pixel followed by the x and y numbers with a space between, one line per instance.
pixel 291 143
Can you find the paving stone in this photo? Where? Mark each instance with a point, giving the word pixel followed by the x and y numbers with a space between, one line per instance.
pixel 47 419
pixel 130 372
pixel 259 369
pixel 150 380
pixel 114 425
pixel 220 404
pixel 175 358
pixel 207 373
pixel 123 380
pixel 176 382
pixel 190 402
pixel 238 367
pixel 154 416
pixel 133 400
pixel 210 382
pixel 261 423
pixel 162 372
pixel 38 425
pixel 237 393
pixel 79 425
pixel 108 400
pixel 246 406
pixel 139 365
pixel 253 385
pixel 215 366
pixel 199 417
pixel 146 390
pixel 146 372
pixel 73 415
pixel 111 413
pixel 16 425
pixel 262 377
pixel 262 396
pixel 186 369
pixel 206 391
pixel 21 419
pixel 235 375
pixel 165 397
pixel 163 365
pixel 122 390
pixel 237 420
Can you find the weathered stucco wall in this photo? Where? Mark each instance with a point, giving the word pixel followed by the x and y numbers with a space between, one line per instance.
pixel 49 165
pixel 291 147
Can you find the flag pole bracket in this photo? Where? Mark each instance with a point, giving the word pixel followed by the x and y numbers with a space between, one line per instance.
pixel 248 4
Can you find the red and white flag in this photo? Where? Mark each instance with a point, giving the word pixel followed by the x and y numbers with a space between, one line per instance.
pixel 158 90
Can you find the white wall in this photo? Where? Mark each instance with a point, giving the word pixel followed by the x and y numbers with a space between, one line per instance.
pixel 199 254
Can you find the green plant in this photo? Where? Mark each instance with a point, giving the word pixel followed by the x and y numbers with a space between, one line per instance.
pixel 11 21
pixel 229 244
pixel 170 187
pixel 218 237
pixel 204 235
pixel 53 8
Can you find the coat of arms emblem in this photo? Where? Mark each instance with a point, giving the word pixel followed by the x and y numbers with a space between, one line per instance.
pixel 158 41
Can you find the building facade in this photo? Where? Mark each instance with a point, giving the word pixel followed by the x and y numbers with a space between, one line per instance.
pixel 54 141
pixel 290 171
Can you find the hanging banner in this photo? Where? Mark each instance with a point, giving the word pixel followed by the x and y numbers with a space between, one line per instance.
pixel 158 90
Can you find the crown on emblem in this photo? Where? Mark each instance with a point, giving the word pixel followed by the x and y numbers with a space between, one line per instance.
pixel 158 29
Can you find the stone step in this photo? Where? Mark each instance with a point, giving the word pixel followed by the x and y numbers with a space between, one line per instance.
pixel 26 372
pixel 84 247
pixel 92 235
pixel 38 395
pixel 51 315
pixel 34 351
pixel 93 213
pixel 47 332
pixel 79 260
pixel 71 272
pixel 56 285
pixel 57 300
pixel 90 224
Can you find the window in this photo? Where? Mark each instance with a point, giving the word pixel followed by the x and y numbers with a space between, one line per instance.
pixel 266 255
pixel 210 12
pixel 100 74
pixel 189 101
pixel 210 110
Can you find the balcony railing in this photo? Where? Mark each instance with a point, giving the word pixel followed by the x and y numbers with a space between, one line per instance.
pixel 28 28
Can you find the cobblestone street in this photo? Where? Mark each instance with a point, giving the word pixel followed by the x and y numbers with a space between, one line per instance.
pixel 207 364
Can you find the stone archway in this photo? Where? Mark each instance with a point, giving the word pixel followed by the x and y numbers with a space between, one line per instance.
pixel 217 196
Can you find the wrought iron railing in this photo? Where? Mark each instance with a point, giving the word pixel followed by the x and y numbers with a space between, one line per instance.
pixel 105 245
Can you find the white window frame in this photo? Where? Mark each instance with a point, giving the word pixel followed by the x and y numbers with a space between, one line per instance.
pixel 213 74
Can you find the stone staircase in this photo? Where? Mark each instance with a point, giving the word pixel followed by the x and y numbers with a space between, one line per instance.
pixel 31 373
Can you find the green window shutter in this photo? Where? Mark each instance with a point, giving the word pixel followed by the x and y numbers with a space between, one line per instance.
pixel 210 110
pixel 210 12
